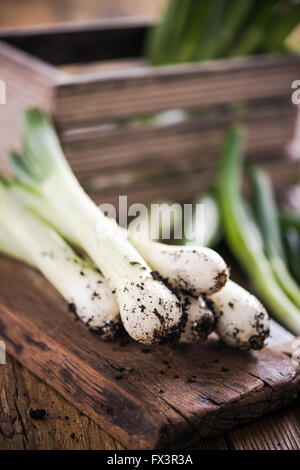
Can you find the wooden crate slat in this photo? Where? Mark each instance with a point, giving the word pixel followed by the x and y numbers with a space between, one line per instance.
pixel 180 187
pixel 29 82
pixel 177 145
pixel 91 97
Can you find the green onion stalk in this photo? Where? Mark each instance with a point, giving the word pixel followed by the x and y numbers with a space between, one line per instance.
pixel 253 32
pixel 290 219
pixel 268 221
pixel 191 30
pixel 281 26
pixel 243 236
pixel 292 246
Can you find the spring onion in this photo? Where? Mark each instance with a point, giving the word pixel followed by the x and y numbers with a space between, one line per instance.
pixel 10 248
pixel 241 320
pixel 235 17
pixel 184 272
pixel 281 26
pixel 253 34
pixel 290 219
pixel 161 221
pixel 196 270
pixel 165 33
pixel 269 226
pixel 208 46
pixel 200 320
pixel 204 30
pixel 150 312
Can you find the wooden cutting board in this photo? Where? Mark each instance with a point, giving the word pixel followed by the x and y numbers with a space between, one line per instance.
pixel 146 397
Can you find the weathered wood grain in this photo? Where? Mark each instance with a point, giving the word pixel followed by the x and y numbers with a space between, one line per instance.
pixel 171 185
pixel 193 143
pixel 278 431
pixel 148 407
pixel 64 427
pixel 114 94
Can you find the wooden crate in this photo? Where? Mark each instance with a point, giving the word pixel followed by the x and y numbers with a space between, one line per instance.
pixel 94 81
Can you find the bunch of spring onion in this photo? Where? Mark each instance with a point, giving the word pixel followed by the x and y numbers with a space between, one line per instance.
pixel 240 319
pixel 154 287
pixel 265 241
pixel 199 30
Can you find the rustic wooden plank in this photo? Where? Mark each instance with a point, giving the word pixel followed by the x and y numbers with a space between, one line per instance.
pixel 113 94
pixel 63 427
pixel 181 186
pixel 213 443
pixel 99 66
pixel 277 431
pixel 229 387
pixel 189 143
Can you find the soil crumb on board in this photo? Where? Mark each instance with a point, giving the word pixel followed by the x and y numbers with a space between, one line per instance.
pixel 38 413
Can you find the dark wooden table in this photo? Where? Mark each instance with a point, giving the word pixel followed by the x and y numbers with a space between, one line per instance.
pixel 65 428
